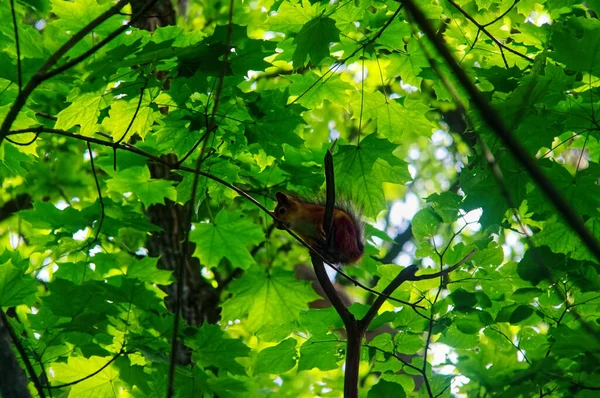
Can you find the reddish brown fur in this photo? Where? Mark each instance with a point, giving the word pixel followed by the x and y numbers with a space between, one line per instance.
pixel 306 219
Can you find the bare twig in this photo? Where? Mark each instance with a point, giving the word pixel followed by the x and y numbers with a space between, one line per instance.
pixel 114 358
pixel 16 29
pixel 482 28
pixel 95 174
pixel 513 344
pixel 137 109
pixel 501 15
pixel 407 274
pixel 23 143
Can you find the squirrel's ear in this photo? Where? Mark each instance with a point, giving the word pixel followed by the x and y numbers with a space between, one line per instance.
pixel 282 198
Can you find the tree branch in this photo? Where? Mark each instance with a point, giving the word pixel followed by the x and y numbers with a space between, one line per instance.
pixel 175 166
pixel 496 124
pixel 343 61
pixel 44 73
pixel 114 358
pixel 405 275
pixel 482 28
pixel 15 339
pixel 102 210
pixel 16 29
pixel 40 75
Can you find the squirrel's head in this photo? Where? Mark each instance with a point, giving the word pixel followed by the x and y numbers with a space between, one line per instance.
pixel 285 209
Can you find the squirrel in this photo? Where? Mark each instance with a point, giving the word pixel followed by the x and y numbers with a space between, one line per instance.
pixel 306 219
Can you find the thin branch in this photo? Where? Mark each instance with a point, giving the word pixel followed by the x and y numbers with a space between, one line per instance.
pixel 356 51
pixel 405 363
pixel 102 211
pixel 23 143
pixel 488 34
pixel 137 151
pixel 102 43
pixel 496 124
pixel 46 115
pixel 443 390
pixel 330 291
pixel 584 387
pixel 16 29
pixel 40 75
pixel 200 140
pixel 501 15
pixel 513 344
pixel 137 109
pixel 428 341
pixel 447 270
pixel 23 354
pixel 405 275
pixel 114 358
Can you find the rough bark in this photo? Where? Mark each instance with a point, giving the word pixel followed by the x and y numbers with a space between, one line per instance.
pixel 200 300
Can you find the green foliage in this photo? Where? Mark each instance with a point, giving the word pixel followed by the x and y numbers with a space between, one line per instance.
pixel 91 238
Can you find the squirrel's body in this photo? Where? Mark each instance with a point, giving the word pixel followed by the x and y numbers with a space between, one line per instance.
pixel 306 219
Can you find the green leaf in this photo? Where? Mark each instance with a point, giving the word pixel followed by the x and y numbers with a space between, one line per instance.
pixel 394 118
pixel 277 359
pixel 577 43
pixel 275 124
pixel 73 16
pixel 15 286
pixel 469 324
pixel 514 313
pixel 312 41
pixel 83 112
pixel 47 216
pixel 137 180
pixel 292 17
pixel 78 369
pixel 409 65
pixel 313 89
pixel 71 300
pixel 122 113
pixel 320 354
pixel 320 321
pixel 532 266
pixel 463 300
pixel 361 171
pixel 146 271
pixel 214 348
pixel 408 343
pixel 227 237
pixel 425 223
pixel 446 205
pixel 267 297
pixel 386 389
pixel 521 313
